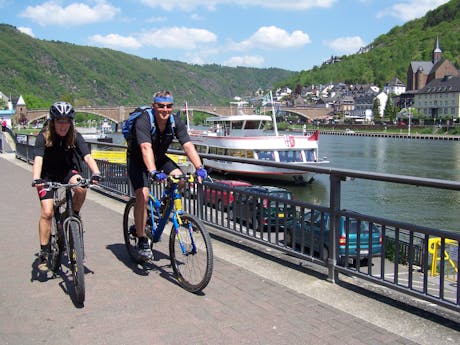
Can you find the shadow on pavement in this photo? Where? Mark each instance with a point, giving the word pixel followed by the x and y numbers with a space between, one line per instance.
pixel 119 251
pixel 66 283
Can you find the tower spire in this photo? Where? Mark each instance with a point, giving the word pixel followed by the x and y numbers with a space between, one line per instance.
pixel 437 51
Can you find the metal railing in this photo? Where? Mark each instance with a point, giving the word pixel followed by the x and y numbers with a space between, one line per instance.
pixel 398 257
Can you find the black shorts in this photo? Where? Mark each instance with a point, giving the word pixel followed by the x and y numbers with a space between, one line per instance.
pixel 138 174
pixel 44 194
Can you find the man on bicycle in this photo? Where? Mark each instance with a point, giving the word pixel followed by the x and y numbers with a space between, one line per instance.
pixel 146 158
pixel 55 159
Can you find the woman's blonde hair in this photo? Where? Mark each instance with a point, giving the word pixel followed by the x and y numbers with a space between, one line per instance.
pixel 51 137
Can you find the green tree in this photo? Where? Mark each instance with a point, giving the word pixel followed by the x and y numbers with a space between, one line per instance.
pixel 34 102
pixel 389 109
pixel 375 108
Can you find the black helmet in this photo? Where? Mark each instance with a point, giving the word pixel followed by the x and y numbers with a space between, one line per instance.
pixel 62 109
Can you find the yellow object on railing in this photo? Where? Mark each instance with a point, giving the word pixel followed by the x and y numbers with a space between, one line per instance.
pixel 450 251
pixel 111 156
pixel 120 156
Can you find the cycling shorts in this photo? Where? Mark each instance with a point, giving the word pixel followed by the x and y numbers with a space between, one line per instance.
pixel 139 176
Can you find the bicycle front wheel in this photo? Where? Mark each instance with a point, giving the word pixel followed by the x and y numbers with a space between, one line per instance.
pixel 191 254
pixel 55 247
pixel 76 260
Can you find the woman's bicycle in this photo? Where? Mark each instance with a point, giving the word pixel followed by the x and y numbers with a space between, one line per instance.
pixel 190 248
pixel 67 234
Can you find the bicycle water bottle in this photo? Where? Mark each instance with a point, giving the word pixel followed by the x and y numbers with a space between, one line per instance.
pixel 178 204
pixel 177 201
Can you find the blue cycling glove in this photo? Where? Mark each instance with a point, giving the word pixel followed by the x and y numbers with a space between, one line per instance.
pixel 201 172
pixel 158 176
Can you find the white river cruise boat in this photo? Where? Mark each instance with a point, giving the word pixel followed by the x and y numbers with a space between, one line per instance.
pixel 244 136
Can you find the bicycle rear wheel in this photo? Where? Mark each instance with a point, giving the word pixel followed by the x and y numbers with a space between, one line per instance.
pixel 76 260
pixel 129 232
pixel 193 268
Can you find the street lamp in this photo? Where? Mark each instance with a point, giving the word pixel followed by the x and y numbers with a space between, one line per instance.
pixel 410 118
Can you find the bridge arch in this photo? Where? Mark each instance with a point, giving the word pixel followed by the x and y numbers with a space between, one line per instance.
pixel 118 114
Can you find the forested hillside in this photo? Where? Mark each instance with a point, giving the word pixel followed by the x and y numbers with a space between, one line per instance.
pixel 43 71
pixel 47 70
pixel 390 54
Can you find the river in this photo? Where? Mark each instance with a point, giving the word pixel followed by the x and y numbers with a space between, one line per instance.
pixel 422 158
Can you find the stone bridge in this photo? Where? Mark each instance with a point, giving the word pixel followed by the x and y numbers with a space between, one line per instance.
pixel 119 113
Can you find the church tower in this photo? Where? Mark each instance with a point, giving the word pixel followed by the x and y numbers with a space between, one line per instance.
pixel 437 52
pixel 21 111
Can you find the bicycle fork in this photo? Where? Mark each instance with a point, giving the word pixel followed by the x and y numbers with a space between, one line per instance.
pixel 177 221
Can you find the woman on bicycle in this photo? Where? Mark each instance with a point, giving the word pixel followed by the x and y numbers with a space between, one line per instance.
pixel 56 158
pixel 147 158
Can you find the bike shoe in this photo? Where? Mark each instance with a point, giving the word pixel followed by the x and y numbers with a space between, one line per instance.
pixel 43 262
pixel 143 249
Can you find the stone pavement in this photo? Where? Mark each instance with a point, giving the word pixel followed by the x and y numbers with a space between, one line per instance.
pixel 256 296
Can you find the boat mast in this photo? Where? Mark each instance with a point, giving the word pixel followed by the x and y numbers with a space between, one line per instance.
pixel 275 127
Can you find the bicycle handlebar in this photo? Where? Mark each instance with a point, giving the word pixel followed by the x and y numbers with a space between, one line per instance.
pixel 84 182
pixel 184 177
pixel 177 178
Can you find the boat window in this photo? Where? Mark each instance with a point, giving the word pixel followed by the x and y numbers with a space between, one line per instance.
pixel 237 124
pixel 250 154
pixel 220 151
pixel 175 146
pixel 266 155
pixel 311 155
pixel 236 153
pixel 290 156
pixel 252 125
pixel 200 148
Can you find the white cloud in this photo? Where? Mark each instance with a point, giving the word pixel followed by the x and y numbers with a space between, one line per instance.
pixel 205 54
pixel 52 13
pixel 196 17
pixel 346 45
pixel 272 37
pixel 411 9
pixel 115 41
pixel 177 38
pixel 156 20
pixel 288 5
pixel 27 31
pixel 246 61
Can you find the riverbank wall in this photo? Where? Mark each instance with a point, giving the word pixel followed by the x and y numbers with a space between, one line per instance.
pixel 394 135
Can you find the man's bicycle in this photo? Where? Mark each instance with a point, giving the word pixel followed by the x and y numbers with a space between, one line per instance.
pixel 190 248
pixel 67 234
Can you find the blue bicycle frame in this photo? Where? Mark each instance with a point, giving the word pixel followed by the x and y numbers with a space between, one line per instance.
pixel 170 202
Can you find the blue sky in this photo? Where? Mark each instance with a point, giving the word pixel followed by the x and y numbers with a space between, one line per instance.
pixel 290 34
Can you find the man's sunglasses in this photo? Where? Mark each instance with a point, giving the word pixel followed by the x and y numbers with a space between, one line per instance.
pixel 163 106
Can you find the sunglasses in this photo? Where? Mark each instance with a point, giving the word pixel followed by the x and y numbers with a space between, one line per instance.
pixel 63 122
pixel 164 106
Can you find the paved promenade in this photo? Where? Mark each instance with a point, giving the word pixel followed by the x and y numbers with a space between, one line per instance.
pixel 252 299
